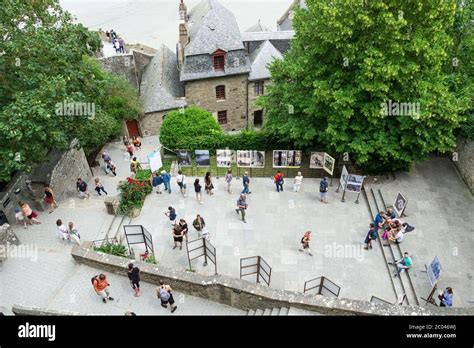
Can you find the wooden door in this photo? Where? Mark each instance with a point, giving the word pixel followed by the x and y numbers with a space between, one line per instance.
pixel 132 127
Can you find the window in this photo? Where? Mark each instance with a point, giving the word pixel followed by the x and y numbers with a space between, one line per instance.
pixel 222 117
pixel 258 118
pixel 220 92
pixel 218 60
pixel 259 88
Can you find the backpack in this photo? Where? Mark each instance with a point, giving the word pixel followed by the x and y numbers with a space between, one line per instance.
pixel 323 186
pixel 164 295
pixel 94 278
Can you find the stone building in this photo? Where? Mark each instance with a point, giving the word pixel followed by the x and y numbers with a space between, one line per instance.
pixel 285 22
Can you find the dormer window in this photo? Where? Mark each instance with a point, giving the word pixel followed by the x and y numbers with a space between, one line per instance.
pixel 218 60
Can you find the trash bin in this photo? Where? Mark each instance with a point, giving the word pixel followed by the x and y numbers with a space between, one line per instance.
pixel 3 218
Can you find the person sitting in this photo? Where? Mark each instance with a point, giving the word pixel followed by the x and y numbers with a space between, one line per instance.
pixel 391 214
pixel 446 298
pixel 402 264
pixel 380 219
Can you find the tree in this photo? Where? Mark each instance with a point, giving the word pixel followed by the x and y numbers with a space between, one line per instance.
pixel 182 128
pixel 348 60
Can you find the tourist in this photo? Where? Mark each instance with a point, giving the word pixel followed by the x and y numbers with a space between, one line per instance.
pixel 164 294
pixel 181 180
pixel 391 214
pixel 49 198
pixel 101 287
pixel 111 167
pixel 135 165
pixel 29 215
pixel 228 180
pixel 183 227
pixel 166 180
pixel 117 46
pixel 129 148
pixel 134 276
pixel 99 187
pixel 20 217
pixel 137 143
pixel 199 224
pixel 323 190
pixel 62 231
pixel 107 33
pixel 278 180
pixel 126 140
pixel 177 237
pixel 304 243
pixel 157 181
pixel 380 220
pixel 171 213
pixel 446 298
pixel 404 263
pixel 113 34
pixel 122 45
pixel 242 206
pixel 208 184
pixel 371 235
pixel 74 233
pixel 81 186
pixel 106 157
pixel 197 189
pixel 246 183
pixel 297 182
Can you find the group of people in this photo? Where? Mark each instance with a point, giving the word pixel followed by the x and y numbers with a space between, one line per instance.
pixel 163 292
pixel 68 234
pixel 117 41
pixel 180 227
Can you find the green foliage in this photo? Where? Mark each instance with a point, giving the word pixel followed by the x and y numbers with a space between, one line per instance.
pixel 151 259
pixel 133 195
pixel 43 66
pixel 143 174
pixel 350 57
pixel 113 249
pixel 182 127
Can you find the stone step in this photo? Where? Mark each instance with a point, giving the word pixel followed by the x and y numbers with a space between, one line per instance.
pixel 251 312
pixel 275 311
pixel 267 311
pixel 259 312
pixel 284 311
pixel 297 311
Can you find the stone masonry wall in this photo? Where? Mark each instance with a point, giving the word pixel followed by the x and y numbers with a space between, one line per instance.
pixel 252 99
pixel 150 123
pixel 121 65
pixel 72 165
pixel 202 93
pixel 245 295
pixel 465 162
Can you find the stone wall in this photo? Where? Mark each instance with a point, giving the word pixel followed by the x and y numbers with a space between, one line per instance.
pixel 465 162
pixel 72 165
pixel 150 123
pixel 36 311
pixel 245 295
pixel 122 65
pixel 252 99
pixel 9 199
pixel 202 93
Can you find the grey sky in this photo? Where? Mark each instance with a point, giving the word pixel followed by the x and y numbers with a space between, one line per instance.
pixel 153 22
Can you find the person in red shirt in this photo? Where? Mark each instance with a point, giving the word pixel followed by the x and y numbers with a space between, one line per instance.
pixel 100 286
pixel 278 179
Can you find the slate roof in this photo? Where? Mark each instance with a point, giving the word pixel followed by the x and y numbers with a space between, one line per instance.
pixel 258 27
pixel 294 4
pixel 212 26
pixel 260 58
pixel 265 35
pixel 160 88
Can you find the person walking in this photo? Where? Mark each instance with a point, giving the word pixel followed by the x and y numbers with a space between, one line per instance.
pixel 166 180
pixel 117 46
pixel 166 297
pixel 446 298
pixel 156 182
pixel 49 198
pixel 278 179
pixel 197 189
pixel 171 214
pixel 62 231
pixel 404 263
pixel 181 180
pixel 111 167
pixel 134 276
pixel 101 285
pixel 371 235
pixel 135 165
pixel 81 186
pixel 121 44
pixel 125 140
pixel 106 157
pixel 129 149
pixel 242 206
pixel 228 180
pixel 208 184
pixel 183 226
pixel 99 187
pixel 177 237
pixel 323 190
pixel 30 216
pixel 297 182
pixel 246 183
pixel 136 142
pixel 305 243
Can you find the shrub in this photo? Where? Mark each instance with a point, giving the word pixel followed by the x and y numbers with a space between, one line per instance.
pixel 133 195
pixel 143 174
pixel 113 249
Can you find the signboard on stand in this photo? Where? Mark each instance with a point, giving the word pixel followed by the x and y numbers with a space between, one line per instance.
pixel 155 161
pixel 400 204
pixel 329 163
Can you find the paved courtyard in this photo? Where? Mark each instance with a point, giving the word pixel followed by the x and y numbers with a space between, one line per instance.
pixel 438 207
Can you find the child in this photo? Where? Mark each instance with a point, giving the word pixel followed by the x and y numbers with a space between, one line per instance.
pixel 99 187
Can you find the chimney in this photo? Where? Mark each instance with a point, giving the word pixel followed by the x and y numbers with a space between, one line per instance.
pixel 183 31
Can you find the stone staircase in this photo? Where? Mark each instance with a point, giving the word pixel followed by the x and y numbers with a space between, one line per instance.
pixel 283 311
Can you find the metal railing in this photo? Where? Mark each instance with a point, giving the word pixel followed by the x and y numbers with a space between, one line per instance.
pixel 101 242
pixel 322 286
pixel 256 265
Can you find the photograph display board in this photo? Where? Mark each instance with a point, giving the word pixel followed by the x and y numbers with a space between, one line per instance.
pixel 295 157
pixel 257 159
pixel 434 271
pixel 155 161
pixel 316 160
pixel 203 159
pixel 329 163
pixel 354 183
pixel 224 158
pixel 280 159
pixel 243 158
pixel 400 204
pixel 343 179
pixel 184 158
